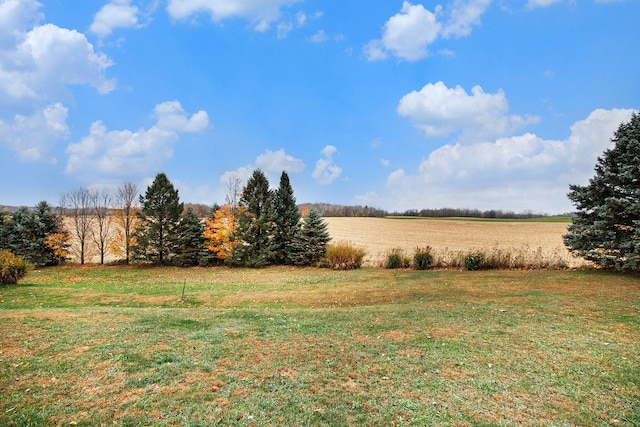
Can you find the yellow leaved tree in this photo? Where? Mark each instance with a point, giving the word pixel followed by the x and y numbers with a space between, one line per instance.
pixel 218 232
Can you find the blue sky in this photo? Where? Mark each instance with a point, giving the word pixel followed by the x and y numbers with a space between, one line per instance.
pixel 398 105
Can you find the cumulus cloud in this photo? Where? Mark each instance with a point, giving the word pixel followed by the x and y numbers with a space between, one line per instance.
pixel 440 111
pixel 326 171
pixel 38 62
pixel 278 161
pixel 32 137
pixel 272 163
pixel 408 34
pixel 517 173
pixel 463 16
pixel 260 12
pixel 117 14
pixel 121 152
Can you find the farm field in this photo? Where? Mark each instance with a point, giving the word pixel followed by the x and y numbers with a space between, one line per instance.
pixel 314 347
pixel 451 237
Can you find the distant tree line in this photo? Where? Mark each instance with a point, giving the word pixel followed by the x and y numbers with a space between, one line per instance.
pixel 467 213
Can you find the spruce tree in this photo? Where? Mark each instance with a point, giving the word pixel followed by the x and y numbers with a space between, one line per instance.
pixel 26 231
pixel 189 242
pixel 159 216
pixel 606 227
pixel 255 223
pixel 286 222
pixel 311 242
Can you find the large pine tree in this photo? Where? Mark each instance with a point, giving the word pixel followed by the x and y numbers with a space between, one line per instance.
pixel 190 247
pixel 286 222
pixel 606 228
pixel 159 217
pixel 255 224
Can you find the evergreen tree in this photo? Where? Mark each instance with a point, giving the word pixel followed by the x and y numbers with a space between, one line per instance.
pixel 311 242
pixel 606 228
pixel 255 223
pixel 189 242
pixel 286 222
pixel 159 217
pixel 25 233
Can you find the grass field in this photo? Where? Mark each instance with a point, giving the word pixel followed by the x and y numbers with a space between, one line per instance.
pixel 536 241
pixel 284 346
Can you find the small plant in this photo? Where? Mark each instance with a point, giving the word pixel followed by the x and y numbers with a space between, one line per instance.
pixel 12 268
pixel 422 258
pixel 344 256
pixel 473 262
pixel 397 259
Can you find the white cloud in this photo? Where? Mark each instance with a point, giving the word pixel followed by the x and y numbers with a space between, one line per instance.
pixel 319 37
pixel 260 12
pixel 532 4
pixel 46 60
pixel 117 14
pixel 326 171
pixel 385 163
pixel 463 16
pixel 123 152
pixel 33 137
pixel 272 163
pixel 408 34
pixel 440 111
pixel 517 173
pixel 278 161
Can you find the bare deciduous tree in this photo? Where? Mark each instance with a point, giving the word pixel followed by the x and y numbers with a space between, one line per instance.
pixel 77 206
pixel 126 204
pixel 101 202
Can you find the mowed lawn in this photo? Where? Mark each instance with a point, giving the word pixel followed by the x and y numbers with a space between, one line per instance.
pixel 287 346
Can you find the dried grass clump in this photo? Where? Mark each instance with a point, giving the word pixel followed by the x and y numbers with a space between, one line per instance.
pixel 344 256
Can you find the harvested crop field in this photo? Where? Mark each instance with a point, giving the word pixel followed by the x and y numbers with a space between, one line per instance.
pixel 451 237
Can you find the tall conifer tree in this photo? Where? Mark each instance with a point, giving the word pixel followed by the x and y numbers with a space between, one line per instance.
pixel 286 220
pixel 255 223
pixel 159 216
pixel 606 228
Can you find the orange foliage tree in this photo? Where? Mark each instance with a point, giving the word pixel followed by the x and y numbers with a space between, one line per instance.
pixel 219 230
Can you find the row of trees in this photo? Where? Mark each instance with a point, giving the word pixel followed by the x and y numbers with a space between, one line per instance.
pixel 256 226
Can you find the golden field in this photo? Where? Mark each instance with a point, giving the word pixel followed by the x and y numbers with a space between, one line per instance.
pixel 452 237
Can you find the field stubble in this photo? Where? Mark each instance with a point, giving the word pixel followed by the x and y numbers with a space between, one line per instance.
pixel 533 243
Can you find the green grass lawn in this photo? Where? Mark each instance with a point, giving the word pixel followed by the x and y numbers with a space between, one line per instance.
pixel 284 346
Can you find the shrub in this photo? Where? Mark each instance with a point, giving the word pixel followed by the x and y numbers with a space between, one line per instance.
pixel 473 261
pixel 12 268
pixel 422 258
pixel 344 256
pixel 397 259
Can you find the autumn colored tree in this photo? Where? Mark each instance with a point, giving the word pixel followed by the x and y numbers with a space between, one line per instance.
pixel 219 232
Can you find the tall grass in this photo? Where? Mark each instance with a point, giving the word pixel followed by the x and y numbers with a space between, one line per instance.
pixel 498 258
